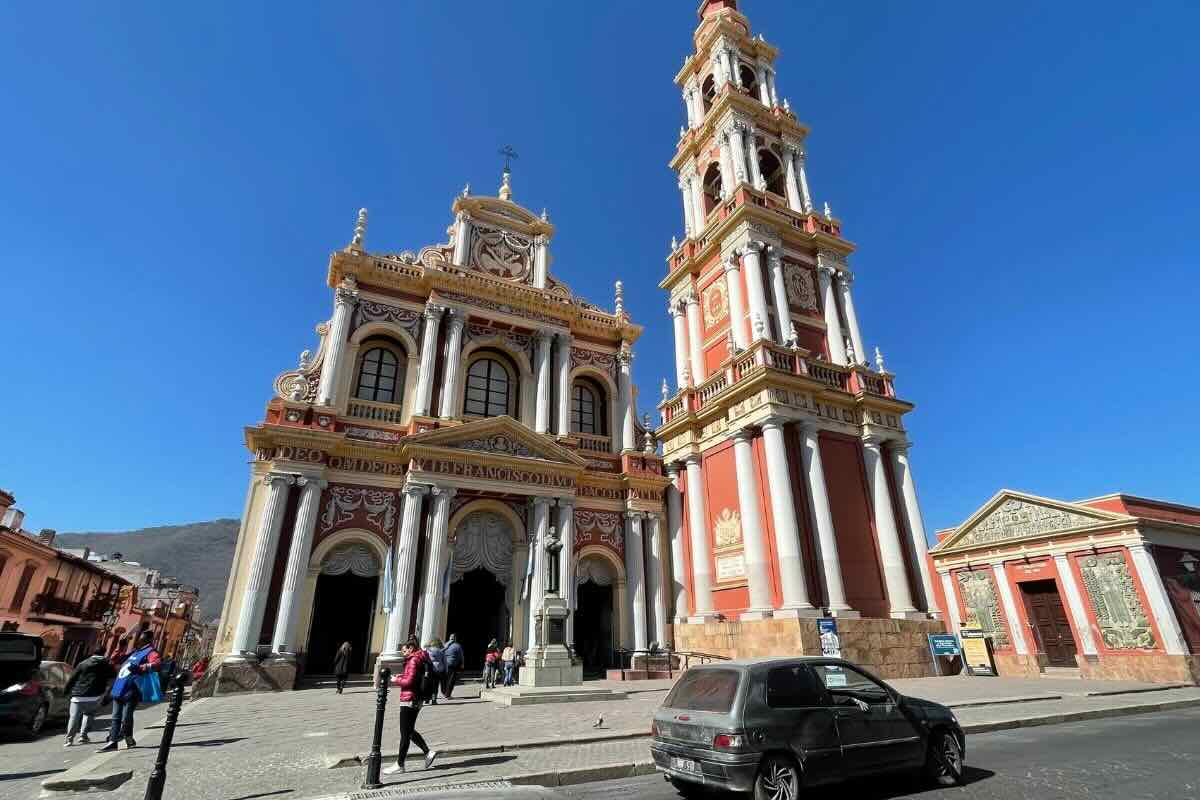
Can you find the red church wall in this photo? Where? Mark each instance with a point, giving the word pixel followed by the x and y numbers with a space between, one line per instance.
pixel 812 339
pixel 768 520
pixel 1141 507
pixel 911 570
pixel 600 527
pixel 281 558
pixel 1183 587
pixel 845 480
pixel 1010 648
pixel 721 499
pixel 1090 610
pixel 812 569
pixel 685 530
pixel 715 355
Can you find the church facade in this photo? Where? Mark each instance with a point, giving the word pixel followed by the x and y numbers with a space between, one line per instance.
pixel 464 444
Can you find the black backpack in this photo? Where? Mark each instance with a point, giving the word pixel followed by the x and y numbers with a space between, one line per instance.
pixel 427 683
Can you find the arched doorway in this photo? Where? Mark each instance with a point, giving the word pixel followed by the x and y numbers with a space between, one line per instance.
pixel 594 614
pixel 343 608
pixel 481 571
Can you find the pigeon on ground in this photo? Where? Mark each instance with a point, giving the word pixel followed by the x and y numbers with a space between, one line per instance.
pixel 599 723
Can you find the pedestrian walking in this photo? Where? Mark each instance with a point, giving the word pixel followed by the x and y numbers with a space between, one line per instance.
pixel 491 665
pixel 119 654
pixel 509 657
pixel 136 680
pixel 412 682
pixel 437 657
pixel 86 687
pixel 454 665
pixel 341 665
pixel 199 668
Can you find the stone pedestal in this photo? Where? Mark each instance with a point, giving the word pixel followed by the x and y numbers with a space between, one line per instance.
pixel 548 662
pixel 242 676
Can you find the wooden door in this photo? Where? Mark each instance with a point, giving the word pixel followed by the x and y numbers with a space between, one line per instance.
pixel 1049 619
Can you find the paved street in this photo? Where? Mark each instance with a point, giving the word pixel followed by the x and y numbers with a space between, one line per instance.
pixel 1151 756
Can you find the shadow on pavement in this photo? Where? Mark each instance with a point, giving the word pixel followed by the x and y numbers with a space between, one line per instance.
pixel 485 761
pixel 898 785
pixel 264 794
pixel 179 725
pixel 208 742
pixel 16 776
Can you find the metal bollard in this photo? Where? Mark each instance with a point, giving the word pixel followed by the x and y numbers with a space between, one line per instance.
pixel 375 759
pixel 158 777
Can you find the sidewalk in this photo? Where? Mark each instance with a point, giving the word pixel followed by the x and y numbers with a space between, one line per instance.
pixel 308 743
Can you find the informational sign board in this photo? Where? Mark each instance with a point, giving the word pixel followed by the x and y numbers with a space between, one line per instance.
pixel 977 656
pixel 944 644
pixel 831 644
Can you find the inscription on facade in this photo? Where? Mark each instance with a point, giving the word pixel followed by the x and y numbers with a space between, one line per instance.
pixel 458 469
pixel 1017 518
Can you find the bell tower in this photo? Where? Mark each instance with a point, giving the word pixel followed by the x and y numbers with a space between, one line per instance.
pixel 792 492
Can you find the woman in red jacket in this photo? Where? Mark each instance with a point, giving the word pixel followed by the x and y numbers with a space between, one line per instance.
pixel 416 664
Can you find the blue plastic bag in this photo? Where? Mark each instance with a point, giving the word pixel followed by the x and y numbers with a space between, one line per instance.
pixel 149 686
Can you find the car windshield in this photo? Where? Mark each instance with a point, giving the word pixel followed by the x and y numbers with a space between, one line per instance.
pixel 846 682
pixel 704 690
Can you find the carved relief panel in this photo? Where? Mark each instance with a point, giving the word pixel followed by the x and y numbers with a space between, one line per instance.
pixel 978 593
pixel 800 286
pixel 1123 622
pixel 501 253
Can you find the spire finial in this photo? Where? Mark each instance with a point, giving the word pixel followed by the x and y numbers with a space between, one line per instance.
pixel 506 176
pixel 787 106
pixel 360 230
pixel 879 360
pixel 666 390
pixel 674 244
pixel 828 211
pixel 545 215
pixel 466 190
pixel 620 299
pixel 793 337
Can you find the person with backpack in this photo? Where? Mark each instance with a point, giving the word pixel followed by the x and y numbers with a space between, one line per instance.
pixel 454 664
pixel 86 688
pixel 417 681
pixel 437 659
pixel 136 680
pixel 491 665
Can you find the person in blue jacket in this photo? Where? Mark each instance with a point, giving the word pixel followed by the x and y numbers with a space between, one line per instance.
pixel 137 678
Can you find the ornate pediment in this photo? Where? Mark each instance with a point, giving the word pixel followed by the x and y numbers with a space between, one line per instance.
pixel 1011 515
pixel 499 436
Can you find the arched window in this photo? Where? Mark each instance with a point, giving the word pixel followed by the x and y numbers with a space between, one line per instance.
pixel 588 408
pixel 491 388
pixel 708 92
pixel 712 188
pixel 749 78
pixel 772 172
pixel 380 374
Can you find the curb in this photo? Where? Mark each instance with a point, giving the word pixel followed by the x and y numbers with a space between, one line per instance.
pixel 1078 716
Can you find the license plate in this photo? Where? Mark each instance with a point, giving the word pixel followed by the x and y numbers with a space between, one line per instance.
pixel 685 765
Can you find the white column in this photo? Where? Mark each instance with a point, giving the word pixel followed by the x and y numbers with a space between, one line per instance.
pixel 635 572
pixel 771 85
pixel 541 261
pixel 701 219
pixel 433 318
pixel 728 176
pixel 754 287
pixel 698 535
pixel 455 319
pixel 687 107
pixel 735 71
pixel 787 526
pixel 344 300
pixel 737 306
pixel 833 322
pixel 844 279
pixel 656 585
pixel 737 150
pixel 1075 606
pixel 462 238
pixel 891 549
pixel 679 592
pixel 764 89
pixel 952 615
pixel 539 523
pixel 783 309
pixel 756 178
pixel 285 643
pixel 1160 601
pixel 679 323
pixel 437 552
pixel 542 420
pixel 792 179
pixel 689 214
pixel 718 69
pixel 628 411
pixel 404 571
pixel 802 178
pixel 902 470
pixel 1010 609
pixel 258 582
pixel 754 545
pixel 831 567
pixel 519 625
pixel 564 384
pixel 566 563
pixel 695 338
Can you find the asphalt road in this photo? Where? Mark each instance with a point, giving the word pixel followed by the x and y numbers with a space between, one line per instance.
pixel 1152 756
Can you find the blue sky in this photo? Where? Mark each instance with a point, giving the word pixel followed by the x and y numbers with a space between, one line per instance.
pixel 1021 181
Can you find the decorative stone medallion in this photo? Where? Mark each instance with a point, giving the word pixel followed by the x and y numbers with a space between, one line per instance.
pixel 800 287
pixel 727 528
pixel 715 302
pixel 500 253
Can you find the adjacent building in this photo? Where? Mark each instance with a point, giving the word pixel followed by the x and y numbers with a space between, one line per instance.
pixel 1103 588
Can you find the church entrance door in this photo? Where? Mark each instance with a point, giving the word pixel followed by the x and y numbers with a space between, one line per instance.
pixel 594 627
pixel 1045 608
pixel 343 609
pixel 480 607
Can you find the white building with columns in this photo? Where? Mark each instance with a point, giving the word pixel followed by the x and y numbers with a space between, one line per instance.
pixel 463 443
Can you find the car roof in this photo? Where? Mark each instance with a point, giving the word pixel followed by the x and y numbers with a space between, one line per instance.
pixel 754 662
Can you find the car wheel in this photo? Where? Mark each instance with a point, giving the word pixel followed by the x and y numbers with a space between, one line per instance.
pixel 778 779
pixel 944 761
pixel 38 720
pixel 687 789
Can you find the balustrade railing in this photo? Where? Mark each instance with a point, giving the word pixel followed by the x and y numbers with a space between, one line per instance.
pixel 829 375
pixel 59 606
pixel 377 412
pixel 711 388
pixel 593 443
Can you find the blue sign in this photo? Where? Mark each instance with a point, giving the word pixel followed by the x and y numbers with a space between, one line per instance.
pixel 944 644
pixel 831 644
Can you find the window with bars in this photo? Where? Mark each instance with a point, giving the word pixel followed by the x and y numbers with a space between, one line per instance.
pixel 587 409
pixel 380 378
pixel 489 389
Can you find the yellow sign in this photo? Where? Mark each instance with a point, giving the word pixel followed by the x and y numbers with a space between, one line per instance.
pixel 976 656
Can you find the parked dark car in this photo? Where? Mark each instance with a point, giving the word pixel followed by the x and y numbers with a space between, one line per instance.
pixel 771 726
pixel 31 690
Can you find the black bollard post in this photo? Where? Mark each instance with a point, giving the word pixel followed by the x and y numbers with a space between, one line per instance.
pixel 375 759
pixel 158 777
